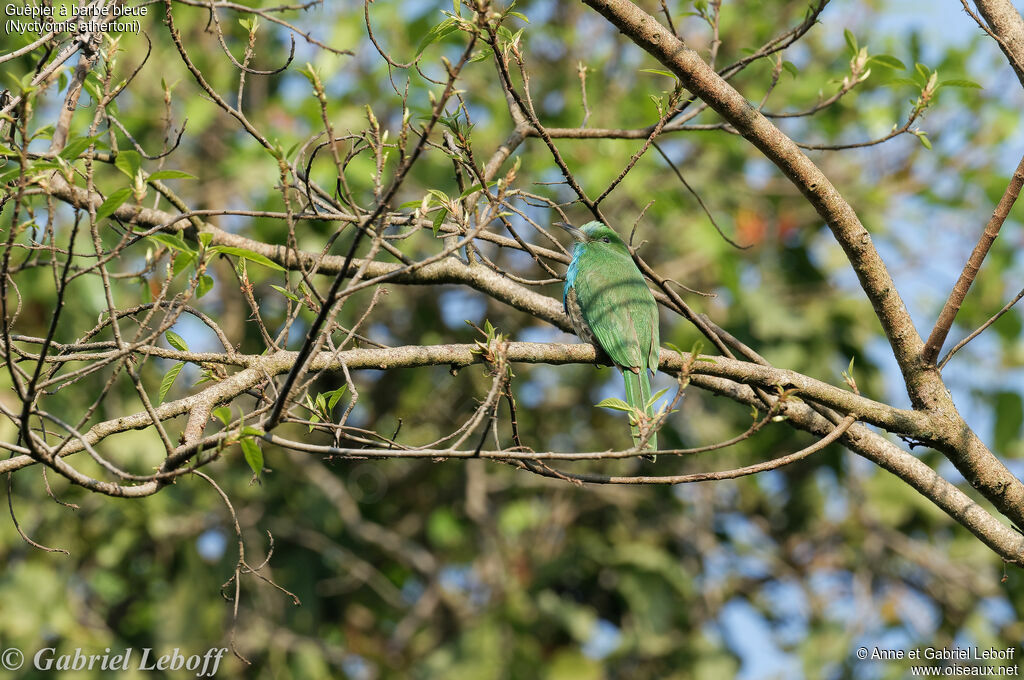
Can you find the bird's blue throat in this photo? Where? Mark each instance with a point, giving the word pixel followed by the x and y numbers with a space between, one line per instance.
pixel 570 275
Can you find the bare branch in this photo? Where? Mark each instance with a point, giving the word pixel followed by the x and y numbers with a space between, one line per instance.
pixel 973 266
pixel 978 331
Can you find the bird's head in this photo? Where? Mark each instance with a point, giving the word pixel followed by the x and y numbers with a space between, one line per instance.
pixel 596 235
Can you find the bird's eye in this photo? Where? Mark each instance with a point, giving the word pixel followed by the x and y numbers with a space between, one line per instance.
pixel 606 239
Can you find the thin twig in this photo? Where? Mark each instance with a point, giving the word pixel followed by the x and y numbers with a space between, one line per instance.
pixel 981 328
pixel 754 469
pixel 971 269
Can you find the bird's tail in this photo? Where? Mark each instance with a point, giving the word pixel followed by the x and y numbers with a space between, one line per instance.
pixel 638 392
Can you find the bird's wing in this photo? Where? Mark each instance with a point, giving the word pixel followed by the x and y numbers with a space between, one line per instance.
pixel 620 310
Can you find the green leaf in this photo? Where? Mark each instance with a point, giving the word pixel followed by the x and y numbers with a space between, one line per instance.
pixel 519 15
pixel 168 380
pixel 444 28
pixel 112 203
pixel 851 41
pixel 10 174
pixel 171 241
pixel 204 285
pixel 182 261
pixel 284 291
pixel 658 72
pixel 655 397
pixel 76 146
pixel 791 68
pixel 253 455
pixel 438 219
pixel 247 255
pixel 45 132
pixel 20 85
pixel 128 162
pixel 439 195
pixel 170 174
pixel 223 414
pixel 485 53
pixel 250 431
pixel 176 341
pixel 888 61
pixel 959 82
pixel 41 165
pixel 924 140
pixel 615 404
pixel 335 395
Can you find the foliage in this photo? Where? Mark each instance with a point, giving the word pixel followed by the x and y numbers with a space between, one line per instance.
pixel 227 246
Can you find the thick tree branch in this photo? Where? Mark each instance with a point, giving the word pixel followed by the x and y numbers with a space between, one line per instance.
pixel 448 270
pixel 924 383
pixel 948 432
pixel 701 80
pixel 721 376
pixel 259 368
pixel 869 444
pixel 1006 23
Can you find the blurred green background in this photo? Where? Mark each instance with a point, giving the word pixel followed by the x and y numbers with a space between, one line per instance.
pixel 472 570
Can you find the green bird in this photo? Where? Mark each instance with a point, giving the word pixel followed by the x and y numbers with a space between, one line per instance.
pixel 611 307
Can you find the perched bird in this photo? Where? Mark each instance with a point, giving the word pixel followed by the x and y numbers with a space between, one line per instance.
pixel 611 307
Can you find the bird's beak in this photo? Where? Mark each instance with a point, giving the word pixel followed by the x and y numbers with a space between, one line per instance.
pixel 575 232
